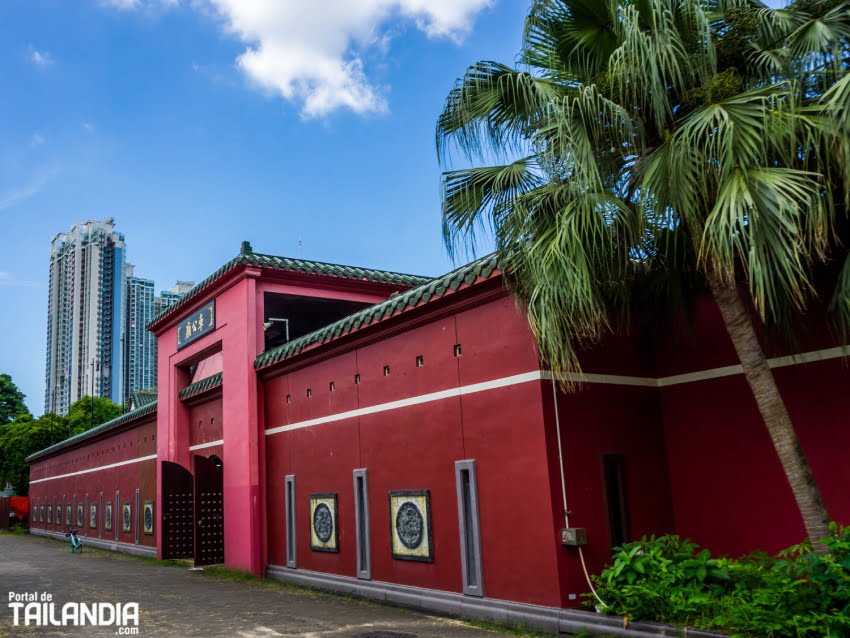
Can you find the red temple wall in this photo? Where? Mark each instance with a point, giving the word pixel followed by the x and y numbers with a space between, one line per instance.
pixel 415 447
pixel 122 446
pixel 206 425
pixel 729 490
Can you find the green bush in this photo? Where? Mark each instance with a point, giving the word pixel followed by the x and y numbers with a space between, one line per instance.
pixel 795 593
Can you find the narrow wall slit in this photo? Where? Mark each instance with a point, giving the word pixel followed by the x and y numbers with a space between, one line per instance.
pixel 361 512
pixel 289 507
pixel 470 531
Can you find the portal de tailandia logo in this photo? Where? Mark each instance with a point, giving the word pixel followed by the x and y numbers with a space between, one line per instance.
pixel 37 609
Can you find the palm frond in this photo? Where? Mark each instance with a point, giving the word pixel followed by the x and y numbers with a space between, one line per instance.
pixel 774 222
pixel 653 65
pixel 480 198
pixel 491 110
pixel 569 41
pixel 565 248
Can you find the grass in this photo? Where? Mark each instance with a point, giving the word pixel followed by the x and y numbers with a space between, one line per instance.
pixel 15 530
pixel 514 630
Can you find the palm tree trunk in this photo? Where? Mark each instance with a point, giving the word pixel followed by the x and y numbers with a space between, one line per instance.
pixel 739 325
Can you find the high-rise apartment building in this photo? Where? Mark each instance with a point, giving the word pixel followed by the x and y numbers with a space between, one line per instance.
pixel 140 344
pixel 85 315
pixel 173 295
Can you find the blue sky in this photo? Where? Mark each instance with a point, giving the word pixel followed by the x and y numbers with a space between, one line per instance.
pixel 199 123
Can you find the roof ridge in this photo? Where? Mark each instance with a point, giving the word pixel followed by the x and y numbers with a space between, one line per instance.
pixel 277 262
pixel 336 265
pixel 207 383
pixel 435 288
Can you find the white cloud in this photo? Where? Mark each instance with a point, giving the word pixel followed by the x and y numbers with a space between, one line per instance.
pixel 88 127
pixel 121 5
pixel 6 279
pixel 40 58
pixel 33 188
pixel 36 140
pixel 312 52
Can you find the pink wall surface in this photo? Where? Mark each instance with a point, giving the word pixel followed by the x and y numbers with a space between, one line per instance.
pixel 127 444
pixel 415 447
pixel 238 338
pixel 697 458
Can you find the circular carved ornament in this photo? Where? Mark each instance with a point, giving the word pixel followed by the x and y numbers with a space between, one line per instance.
pixel 409 525
pixel 323 523
pixel 148 518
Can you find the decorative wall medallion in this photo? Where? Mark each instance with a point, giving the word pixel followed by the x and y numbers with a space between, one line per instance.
pixel 323 530
pixel 92 516
pixel 68 520
pixel 410 525
pixel 49 514
pixel 147 517
pixel 126 516
pixel 79 515
pixel 41 514
pixel 107 517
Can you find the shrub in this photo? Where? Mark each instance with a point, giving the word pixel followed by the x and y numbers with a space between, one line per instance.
pixel 795 593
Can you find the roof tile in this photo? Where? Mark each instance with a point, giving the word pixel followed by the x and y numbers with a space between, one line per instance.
pixel 138 413
pixel 432 289
pixel 292 265
pixel 200 387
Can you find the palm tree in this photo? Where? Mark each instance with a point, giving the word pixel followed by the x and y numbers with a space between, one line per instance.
pixel 683 140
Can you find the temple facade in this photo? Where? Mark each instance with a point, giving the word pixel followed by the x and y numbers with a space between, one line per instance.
pixel 396 436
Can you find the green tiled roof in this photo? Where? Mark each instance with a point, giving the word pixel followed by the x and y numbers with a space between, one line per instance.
pixel 143 397
pixel 138 413
pixel 433 289
pixel 292 265
pixel 200 386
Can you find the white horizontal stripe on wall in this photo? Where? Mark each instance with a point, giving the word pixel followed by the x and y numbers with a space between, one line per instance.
pixel 777 362
pixel 536 375
pixel 150 457
pixel 403 403
pixel 201 446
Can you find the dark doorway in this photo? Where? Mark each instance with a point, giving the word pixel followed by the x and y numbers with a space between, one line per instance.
pixel 209 511
pixel 288 317
pixel 178 538
pixel 615 498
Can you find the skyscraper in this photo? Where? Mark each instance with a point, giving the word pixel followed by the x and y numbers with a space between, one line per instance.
pixel 139 343
pixel 85 315
pixel 172 295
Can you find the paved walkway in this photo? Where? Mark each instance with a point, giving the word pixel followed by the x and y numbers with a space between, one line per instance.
pixel 174 601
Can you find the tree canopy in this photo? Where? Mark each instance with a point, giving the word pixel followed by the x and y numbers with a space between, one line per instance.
pixel 11 400
pixel 667 144
pixel 657 137
pixel 25 436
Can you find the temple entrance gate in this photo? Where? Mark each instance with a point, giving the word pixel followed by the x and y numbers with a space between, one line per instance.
pixel 209 511
pixel 178 539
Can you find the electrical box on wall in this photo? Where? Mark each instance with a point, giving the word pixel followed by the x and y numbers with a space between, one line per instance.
pixel 574 536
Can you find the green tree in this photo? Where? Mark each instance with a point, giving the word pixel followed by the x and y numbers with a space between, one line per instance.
pixel 90 412
pixel 25 436
pixel 671 141
pixel 11 400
